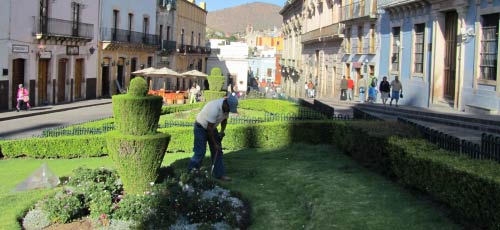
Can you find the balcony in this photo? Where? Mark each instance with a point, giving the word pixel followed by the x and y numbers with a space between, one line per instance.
pixel 360 10
pixel 46 28
pixel 331 32
pixel 394 3
pixel 167 47
pixel 128 38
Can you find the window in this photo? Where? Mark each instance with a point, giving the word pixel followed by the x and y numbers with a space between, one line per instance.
pixel 146 26
pixel 150 61
pixel 419 48
pixel 168 33
pixel 44 13
pixel 360 39
pixel 199 39
pixel 192 38
pixel 372 38
pixel 348 40
pixel 130 20
pixel 489 47
pixel 161 34
pixel 76 17
pixel 115 24
pixel 396 41
pixel 182 37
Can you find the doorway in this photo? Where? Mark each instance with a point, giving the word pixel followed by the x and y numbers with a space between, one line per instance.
pixel 43 75
pixel 61 80
pixel 78 78
pixel 105 81
pixel 17 77
pixel 451 19
pixel 119 77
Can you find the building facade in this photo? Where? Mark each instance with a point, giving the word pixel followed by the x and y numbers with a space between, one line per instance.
pixel 128 42
pixel 360 41
pixel 322 51
pixel 445 52
pixel 292 71
pixel 232 58
pixel 190 29
pixel 50 47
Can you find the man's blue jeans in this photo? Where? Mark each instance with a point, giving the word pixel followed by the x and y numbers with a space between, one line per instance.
pixel 200 149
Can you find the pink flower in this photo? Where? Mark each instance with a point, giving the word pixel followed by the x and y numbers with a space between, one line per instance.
pixel 103 216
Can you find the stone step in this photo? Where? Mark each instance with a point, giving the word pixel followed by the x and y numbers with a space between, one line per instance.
pixel 467 122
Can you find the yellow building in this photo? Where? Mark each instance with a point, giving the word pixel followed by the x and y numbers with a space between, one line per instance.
pixel 271 42
pixel 192 50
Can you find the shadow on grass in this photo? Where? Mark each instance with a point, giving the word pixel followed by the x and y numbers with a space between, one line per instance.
pixel 318 187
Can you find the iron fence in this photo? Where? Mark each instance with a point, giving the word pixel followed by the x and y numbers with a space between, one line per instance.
pixel 119 35
pixel 488 149
pixel 64 28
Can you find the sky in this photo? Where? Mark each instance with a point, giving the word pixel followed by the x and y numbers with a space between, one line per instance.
pixel 213 5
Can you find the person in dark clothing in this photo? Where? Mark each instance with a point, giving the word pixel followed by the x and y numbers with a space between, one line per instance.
pixel 385 89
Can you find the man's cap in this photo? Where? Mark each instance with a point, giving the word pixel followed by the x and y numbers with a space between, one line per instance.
pixel 233 103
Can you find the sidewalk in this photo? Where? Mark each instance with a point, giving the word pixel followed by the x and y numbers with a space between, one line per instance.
pixel 39 110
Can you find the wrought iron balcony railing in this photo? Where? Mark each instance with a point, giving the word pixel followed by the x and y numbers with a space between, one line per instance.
pixel 127 36
pixel 359 9
pixel 328 32
pixel 167 47
pixel 53 27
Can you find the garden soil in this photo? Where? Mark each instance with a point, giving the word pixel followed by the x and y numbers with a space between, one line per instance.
pixel 84 224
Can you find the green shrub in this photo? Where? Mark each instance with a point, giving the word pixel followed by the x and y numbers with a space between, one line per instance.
pixel 55 147
pixel 215 71
pixel 213 95
pixel 65 206
pixel 136 115
pixel 138 87
pixel 36 219
pixel 137 158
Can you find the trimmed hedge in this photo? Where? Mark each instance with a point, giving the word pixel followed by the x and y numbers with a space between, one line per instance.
pixel 213 95
pixel 136 115
pixel 471 188
pixel 56 147
pixel 137 158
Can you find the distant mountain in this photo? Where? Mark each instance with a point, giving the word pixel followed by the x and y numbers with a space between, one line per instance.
pixel 235 19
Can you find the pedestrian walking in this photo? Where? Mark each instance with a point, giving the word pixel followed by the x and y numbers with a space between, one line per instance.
pixel 362 87
pixel 350 88
pixel 372 93
pixel 306 90
pixel 23 98
pixel 397 90
pixel 192 94
pixel 385 89
pixel 343 89
pixel 205 130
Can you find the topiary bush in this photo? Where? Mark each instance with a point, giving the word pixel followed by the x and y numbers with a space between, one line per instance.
pixel 215 82
pixel 136 148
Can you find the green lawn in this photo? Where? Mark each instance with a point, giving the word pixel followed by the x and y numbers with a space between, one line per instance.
pixel 316 187
pixel 300 187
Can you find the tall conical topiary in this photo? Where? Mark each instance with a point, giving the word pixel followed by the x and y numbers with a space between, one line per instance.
pixel 136 148
pixel 215 83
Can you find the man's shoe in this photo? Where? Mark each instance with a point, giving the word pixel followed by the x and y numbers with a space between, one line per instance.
pixel 17 110
pixel 224 178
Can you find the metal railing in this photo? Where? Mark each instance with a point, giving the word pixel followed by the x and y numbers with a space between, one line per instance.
pixel 46 26
pixel 327 32
pixel 168 46
pixel 359 9
pixel 488 149
pixel 118 35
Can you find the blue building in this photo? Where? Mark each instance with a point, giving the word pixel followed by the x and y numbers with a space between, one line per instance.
pixel 445 52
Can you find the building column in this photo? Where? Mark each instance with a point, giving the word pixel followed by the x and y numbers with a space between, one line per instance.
pixel 462 26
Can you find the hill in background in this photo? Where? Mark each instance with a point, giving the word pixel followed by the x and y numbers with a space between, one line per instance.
pixel 235 19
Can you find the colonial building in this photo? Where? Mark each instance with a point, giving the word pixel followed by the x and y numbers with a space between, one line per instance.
pixel 232 59
pixel 192 48
pixel 50 47
pixel 291 58
pixel 360 40
pixel 128 42
pixel 165 29
pixel 322 52
pixel 446 52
